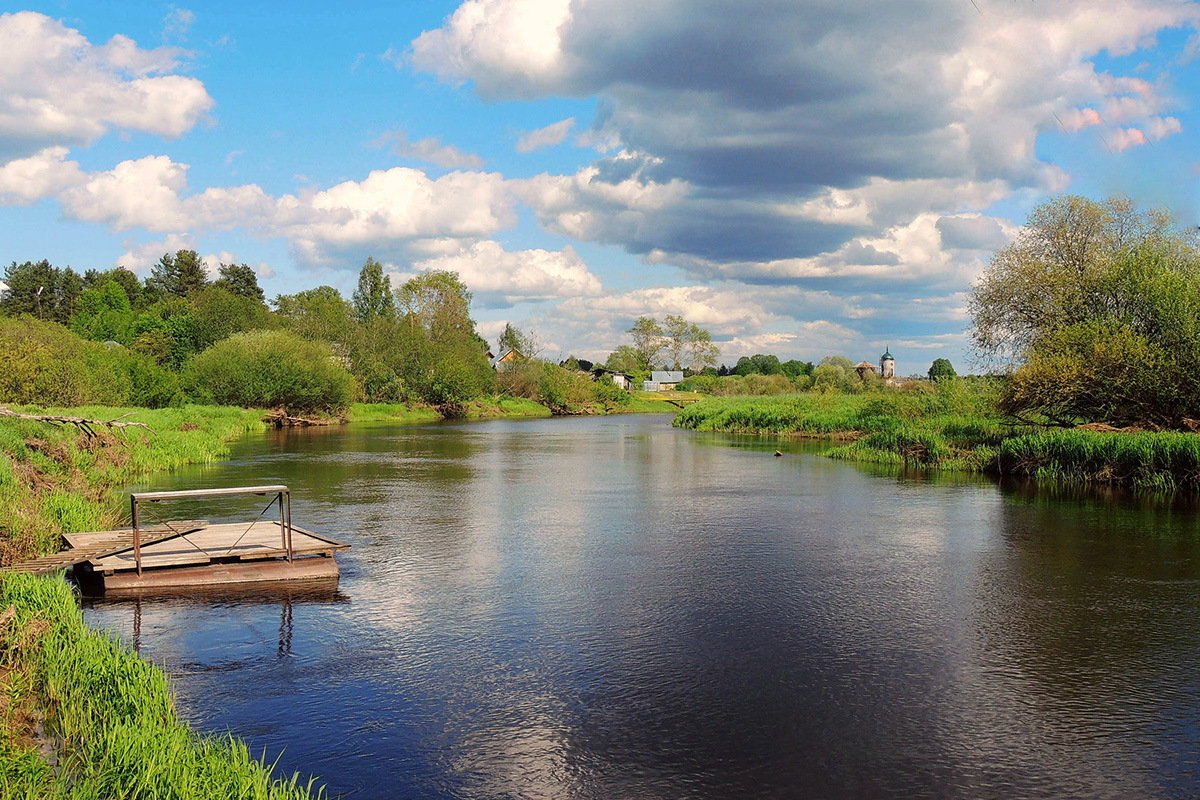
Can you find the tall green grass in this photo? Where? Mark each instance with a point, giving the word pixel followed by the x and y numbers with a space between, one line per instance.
pixel 112 713
pixel 956 426
pixel 55 480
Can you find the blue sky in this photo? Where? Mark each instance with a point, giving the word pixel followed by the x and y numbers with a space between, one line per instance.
pixel 800 177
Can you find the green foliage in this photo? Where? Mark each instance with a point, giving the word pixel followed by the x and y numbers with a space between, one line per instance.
pixel 940 369
pixel 373 295
pixel 103 314
pixel 48 364
pixel 178 275
pixel 219 313
pixel 321 314
pixel 265 369
pixel 40 289
pixel 1099 304
pixel 113 713
pixel 518 341
pixel 241 280
pixel 95 279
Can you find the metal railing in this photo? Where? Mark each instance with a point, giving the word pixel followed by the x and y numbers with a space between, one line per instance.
pixel 282 495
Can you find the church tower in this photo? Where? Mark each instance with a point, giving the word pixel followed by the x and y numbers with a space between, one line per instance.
pixel 887 365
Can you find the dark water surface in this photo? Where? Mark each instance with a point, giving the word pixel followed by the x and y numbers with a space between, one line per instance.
pixel 610 608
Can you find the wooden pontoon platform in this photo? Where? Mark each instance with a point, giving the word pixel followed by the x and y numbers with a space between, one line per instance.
pixel 193 554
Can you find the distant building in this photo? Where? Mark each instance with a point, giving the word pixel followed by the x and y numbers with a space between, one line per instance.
pixel 662 380
pixel 863 368
pixel 3 289
pixel 505 361
pixel 621 379
pixel 887 365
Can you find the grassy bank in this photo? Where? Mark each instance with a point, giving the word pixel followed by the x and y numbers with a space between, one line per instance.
pixel 110 713
pixel 955 426
pixel 54 479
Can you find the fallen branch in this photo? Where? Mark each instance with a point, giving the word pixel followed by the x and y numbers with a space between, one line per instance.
pixel 83 423
pixel 281 419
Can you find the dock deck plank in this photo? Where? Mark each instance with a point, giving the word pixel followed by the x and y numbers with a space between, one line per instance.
pixel 235 540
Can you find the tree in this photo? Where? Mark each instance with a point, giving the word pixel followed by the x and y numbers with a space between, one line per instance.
pixel 625 359
pixel 941 368
pixel 95 279
pixel 521 343
pixel 1098 307
pixel 320 314
pixel 794 368
pixel 647 341
pixel 178 275
pixel 103 314
pixel 373 297
pixel 40 289
pixel 239 279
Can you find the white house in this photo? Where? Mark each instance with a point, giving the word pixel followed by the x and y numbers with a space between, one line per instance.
pixel 619 378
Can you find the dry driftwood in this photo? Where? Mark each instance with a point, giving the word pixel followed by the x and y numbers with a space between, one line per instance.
pixel 83 423
pixel 281 419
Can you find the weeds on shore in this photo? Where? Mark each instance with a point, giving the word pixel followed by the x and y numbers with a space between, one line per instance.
pixel 55 479
pixel 110 713
pixel 956 426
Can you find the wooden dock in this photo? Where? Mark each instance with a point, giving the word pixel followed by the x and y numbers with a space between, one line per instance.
pixel 195 553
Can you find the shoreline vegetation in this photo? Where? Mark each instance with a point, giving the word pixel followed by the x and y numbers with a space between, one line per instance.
pixel 954 425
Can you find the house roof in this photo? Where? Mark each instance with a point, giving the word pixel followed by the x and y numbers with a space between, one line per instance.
pixel 666 376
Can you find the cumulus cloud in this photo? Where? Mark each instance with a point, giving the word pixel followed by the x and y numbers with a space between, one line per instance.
pixel 57 88
pixel 548 136
pixel 759 135
pixel 27 180
pixel 140 258
pixel 430 150
pixel 495 274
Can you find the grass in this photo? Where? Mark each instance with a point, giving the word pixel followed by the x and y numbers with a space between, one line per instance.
pixel 955 426
pixel 111 712
pixel 54 479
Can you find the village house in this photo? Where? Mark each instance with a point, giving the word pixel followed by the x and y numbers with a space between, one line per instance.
pixel 622 379
pixel 662 380
pixel 505 361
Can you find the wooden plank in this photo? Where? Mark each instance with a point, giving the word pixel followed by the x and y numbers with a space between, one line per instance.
pixel 99 548
pixel 302 569
pixel 229 540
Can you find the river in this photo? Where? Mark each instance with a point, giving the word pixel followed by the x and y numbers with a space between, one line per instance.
pixel 611 608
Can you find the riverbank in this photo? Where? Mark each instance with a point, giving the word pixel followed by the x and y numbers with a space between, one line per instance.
pixel 82 715
pixel 955 426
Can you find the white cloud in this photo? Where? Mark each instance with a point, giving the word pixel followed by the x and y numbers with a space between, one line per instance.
pixel 27 180
pixel 140 258
pixel 758 138
pixel 520 275
pixel 548 136
pixel 430 150
pixel 134 194
pixel 57 88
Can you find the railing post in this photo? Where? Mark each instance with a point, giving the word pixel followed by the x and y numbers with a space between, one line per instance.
pixel 287 503
pixel 137 534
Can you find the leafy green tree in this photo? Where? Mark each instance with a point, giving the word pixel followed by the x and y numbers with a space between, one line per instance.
pixel 373 297
pixel 626 359
pixel 41 289
pixel 104 314
pixel 1098 305
pixel 239 279
pixel 178 275
pixel 521 343
pixel 794 369
pixel 219 313
pixel 320 314
pixel 95 279
pixel 940 369
pixel 647 341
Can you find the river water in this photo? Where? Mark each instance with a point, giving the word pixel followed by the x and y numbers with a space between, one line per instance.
pixel 612 608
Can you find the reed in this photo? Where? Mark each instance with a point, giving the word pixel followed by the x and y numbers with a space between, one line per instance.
pixel 956 426
pixel 111 714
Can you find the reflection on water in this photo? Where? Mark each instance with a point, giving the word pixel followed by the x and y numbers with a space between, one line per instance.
pixel 610 608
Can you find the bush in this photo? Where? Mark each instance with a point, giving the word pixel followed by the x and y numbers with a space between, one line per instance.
pixel 48 365
pixel 265 369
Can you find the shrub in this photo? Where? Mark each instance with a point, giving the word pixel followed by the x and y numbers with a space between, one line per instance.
pixel 48 365
pixel 269 368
